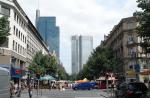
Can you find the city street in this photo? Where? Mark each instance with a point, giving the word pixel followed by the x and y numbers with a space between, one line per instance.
pixel 68 93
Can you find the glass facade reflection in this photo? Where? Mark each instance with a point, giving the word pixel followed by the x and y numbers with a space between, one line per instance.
pixel 82 46
pixel 50 33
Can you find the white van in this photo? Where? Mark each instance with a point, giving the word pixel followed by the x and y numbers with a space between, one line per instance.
pixel 4 83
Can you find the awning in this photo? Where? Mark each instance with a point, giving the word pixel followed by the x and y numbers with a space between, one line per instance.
pixel 47 77
pixel 7 66
pixel 16 73
pixel 146 72
pixel 131 73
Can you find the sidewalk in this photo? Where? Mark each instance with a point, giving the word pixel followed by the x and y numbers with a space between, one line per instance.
pixel 107 94
pixel 24 94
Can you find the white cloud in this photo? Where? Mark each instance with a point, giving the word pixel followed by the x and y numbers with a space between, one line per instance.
pixel 85 17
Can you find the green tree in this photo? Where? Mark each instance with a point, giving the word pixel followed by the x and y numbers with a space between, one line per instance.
pixel 50 64
pixel 62 74
pixel 144 23
pixel 100 61
pixel 47 64
pixel 4 29
pixel 37 65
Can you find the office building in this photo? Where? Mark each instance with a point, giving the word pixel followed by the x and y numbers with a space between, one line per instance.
pixel 82 47
pixel 49 32
pixel 23 42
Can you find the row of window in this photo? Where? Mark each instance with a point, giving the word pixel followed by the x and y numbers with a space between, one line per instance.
pixel 5 10
pixel 19 21
pixel 31 48
pixel 18 48
pixel 19 34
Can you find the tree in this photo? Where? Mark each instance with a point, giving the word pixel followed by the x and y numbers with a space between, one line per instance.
pixel 4 29
pixel 144 24
pixel 47 64
pixel 62 74
pixel 101 61
pixel 50 64
pixel 37 65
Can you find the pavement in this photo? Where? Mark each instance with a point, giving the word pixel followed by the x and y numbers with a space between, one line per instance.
pixel 69 93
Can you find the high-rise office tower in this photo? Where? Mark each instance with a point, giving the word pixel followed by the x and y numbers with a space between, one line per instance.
pixel 75 54
pixel 82 47
pixel 49 32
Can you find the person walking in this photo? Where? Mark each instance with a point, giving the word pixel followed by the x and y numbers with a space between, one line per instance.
pixel 30 91
pixel 12 88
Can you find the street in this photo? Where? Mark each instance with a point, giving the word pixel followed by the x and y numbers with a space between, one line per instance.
pixel 68 93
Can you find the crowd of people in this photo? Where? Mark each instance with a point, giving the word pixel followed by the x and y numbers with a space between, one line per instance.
pixel 16 88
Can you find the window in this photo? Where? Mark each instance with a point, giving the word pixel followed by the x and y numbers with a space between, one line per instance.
pixel 14 30
pixel 130 66
pixel 130 39
pixel 15 15
pixel 5 10
pixel 13 44
pixel 20 49
pixel 25 39
pixel 21 36
pixel 131 52
pixel 17 18
pixel 16 47
pixel 17 32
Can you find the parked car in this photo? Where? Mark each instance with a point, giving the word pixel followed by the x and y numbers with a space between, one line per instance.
pixel 131 90
pixel 84 85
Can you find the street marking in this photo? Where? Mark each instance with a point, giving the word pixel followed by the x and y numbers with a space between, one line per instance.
pixel 87 97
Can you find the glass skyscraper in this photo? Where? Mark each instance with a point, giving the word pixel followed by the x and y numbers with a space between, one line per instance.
pixel 82 46
pixel 49 32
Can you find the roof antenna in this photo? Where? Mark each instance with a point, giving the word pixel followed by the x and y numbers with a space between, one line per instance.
pixel 37 13
pixel 38 4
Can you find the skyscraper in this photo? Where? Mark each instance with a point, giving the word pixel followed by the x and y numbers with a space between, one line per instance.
pixel 75 54
pixel 49 32
pixel 82 47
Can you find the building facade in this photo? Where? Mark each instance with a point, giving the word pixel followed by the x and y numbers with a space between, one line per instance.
pixel 24 40
pixel 124 41
pixel 75 54
pixel 49 32
pixel 82 46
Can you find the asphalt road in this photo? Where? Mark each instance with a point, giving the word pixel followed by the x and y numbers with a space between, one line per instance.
pixel 68 93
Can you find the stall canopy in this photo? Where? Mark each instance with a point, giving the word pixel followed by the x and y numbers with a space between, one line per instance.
pixel 47 77
pixel 84 80
pixel 146 72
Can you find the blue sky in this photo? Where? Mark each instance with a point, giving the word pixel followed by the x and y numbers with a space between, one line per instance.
pixel 82 17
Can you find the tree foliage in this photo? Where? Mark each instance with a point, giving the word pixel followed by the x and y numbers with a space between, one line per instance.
pixel 47 64
pixel 4 29
pixel 144 23
pixel 99 62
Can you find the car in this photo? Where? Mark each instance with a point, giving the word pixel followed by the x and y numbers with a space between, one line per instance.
pixel 131 90
pixel 84 85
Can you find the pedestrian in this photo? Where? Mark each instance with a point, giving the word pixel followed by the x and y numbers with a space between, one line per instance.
pixel 149 85
pixel 12 88
pixel 19 90
pixel 30 91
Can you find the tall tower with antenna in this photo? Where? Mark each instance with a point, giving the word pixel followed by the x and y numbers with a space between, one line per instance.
pixel 37 14
pixel 49 31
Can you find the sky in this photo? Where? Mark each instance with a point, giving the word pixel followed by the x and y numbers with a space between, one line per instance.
pixel 82 17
